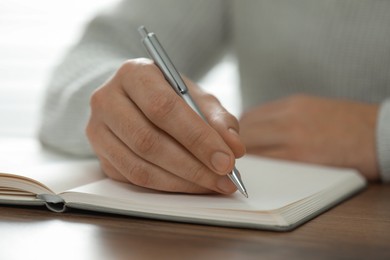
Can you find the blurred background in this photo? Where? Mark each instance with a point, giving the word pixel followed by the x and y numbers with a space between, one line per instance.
pixel 33 37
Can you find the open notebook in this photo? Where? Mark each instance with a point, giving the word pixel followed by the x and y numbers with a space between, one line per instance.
pixel 282 195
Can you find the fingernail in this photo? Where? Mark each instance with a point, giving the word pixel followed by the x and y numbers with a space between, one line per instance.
pixel 220 162
pixel 226 185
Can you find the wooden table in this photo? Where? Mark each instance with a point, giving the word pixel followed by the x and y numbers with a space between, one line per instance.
pixel 356 229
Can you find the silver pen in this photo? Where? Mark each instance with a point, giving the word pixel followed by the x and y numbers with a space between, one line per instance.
pixel 160 57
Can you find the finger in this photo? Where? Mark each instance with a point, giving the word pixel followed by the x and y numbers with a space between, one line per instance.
pixel 222 121
pixel 152 144
pixel 162 106
pixel 117 160
pixel 256 131
pixel 110 170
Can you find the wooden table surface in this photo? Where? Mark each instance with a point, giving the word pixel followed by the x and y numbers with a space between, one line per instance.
pixel 356 229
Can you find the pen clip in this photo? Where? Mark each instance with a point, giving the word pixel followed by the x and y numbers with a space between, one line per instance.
pixel 160 57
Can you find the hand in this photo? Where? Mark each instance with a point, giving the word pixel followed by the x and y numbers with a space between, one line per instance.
pixel 317 130
pixel 144 133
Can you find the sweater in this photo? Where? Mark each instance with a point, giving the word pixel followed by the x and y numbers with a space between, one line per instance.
pixel 328 48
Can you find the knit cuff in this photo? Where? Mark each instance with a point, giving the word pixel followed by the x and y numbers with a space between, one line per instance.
pixel 383 140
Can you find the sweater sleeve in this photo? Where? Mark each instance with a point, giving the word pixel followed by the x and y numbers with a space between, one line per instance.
pixel 192 32
pixel 383 140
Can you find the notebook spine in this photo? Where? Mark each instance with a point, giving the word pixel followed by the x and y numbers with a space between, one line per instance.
pixel 53 202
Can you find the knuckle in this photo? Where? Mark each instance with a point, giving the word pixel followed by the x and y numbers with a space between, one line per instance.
pixel 132 65
pixel 229 117
pixel 90 132
pixel 196 137
pixel 109 170
pixel 138 175
pixel 224 118
pixel 209 98
pixel 127 68
pixel 146 141
pixel 139 67
pixel 196 173
pixel 116 157
pixel 97 99
pixel 93 133
pixel 161 105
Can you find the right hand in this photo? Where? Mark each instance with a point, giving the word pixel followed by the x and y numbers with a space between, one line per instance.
pixel 144 133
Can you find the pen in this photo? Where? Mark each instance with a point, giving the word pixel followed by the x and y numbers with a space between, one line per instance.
pixel 160 57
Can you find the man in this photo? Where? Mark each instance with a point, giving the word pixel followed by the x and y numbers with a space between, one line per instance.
pixel 315 84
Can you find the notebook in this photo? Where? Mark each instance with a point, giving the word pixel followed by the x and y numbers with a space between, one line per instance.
pixel 282 194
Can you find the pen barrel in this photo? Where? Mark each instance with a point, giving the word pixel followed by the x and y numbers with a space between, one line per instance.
pixel 162 60
pixel 191 102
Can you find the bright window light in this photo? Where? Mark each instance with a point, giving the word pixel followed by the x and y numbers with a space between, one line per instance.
pixel 34 35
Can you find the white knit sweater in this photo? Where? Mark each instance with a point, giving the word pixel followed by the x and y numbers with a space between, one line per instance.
pixel 332 48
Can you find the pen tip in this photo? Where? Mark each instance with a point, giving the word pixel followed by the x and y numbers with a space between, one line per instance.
pixel 243 192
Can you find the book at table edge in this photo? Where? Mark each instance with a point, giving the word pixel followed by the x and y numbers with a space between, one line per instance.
pixel 282 195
